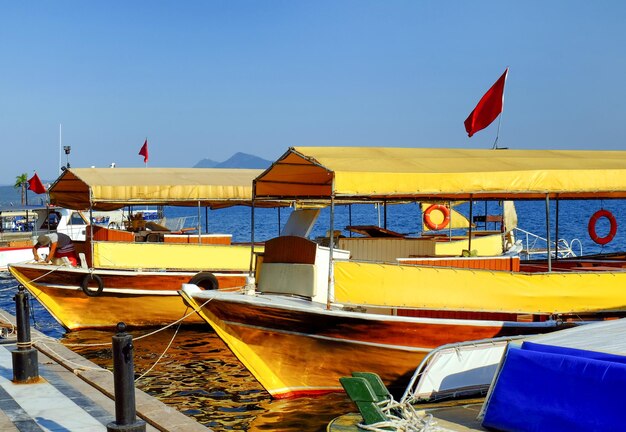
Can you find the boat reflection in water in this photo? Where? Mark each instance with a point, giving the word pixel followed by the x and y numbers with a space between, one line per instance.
pixel 200 377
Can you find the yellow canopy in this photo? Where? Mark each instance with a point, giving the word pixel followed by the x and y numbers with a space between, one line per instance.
pixel 382 173
pixel 113 188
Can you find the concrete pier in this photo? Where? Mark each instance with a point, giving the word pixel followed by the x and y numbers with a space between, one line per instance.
pixel 71 394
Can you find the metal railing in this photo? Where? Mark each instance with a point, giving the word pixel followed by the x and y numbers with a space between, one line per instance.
pixel 537 245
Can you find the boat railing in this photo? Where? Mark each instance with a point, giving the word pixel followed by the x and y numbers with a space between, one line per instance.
pixel 180 223
pixel 537 245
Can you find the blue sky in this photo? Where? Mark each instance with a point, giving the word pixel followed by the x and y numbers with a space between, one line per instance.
pixel 206 79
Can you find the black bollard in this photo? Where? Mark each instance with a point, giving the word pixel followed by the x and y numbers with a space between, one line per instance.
pixel 124 383
pixel 25 363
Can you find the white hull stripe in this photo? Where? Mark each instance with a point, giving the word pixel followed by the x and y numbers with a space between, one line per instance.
pixel 130 291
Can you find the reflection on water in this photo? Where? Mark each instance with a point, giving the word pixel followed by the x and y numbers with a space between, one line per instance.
pixel 199 376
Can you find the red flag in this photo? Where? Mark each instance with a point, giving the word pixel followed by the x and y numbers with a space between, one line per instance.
pixel 488 108
pixel 35 185
pixel 144 151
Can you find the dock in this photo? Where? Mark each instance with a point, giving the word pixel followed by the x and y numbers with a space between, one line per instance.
pixel 72 393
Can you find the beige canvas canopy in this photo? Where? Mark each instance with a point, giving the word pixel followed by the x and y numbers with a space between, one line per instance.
pixel 381 173
pixel 113 188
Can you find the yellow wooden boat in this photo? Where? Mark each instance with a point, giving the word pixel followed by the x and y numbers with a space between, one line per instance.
pixel 320 312
pixel 134 275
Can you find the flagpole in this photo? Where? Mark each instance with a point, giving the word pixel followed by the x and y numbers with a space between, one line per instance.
pixel 495 143
pixel 60 148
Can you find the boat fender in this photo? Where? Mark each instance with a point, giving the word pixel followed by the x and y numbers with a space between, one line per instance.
pixel 592 227
pixel 85 285
pixel 206 280
pixel 446 217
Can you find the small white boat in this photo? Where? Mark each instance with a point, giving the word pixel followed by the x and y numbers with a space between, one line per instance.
pixel 17 239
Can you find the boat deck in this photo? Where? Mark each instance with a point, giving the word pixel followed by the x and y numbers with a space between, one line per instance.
pixel 451 416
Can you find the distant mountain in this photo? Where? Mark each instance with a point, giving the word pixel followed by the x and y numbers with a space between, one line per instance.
pixel 206 163
pixel 238 160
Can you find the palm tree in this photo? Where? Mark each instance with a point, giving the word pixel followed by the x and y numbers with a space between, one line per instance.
pixel 20 183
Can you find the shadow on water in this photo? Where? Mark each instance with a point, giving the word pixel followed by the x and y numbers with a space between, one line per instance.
pixel 199 376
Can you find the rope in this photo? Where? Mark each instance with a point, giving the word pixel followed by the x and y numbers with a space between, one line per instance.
pixel 162 354
pixel 178 321
pixel 402 417
pixel 78 366
pixel 12 328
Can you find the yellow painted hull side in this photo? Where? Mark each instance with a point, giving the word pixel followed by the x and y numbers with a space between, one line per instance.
pixel 277 361
pixel 489 245
pixel 478 290
pixel 171 256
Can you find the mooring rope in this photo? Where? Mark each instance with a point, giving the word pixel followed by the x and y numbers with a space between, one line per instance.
pixel 162 354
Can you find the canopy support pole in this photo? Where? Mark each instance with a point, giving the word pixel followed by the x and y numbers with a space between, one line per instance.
pixel 206 220
pixel 385 214
pixel 350 218
pixel 450 223
pixel 331 277
pixel 199 223
pixel 471 212
pixel 278 208
pixel 252 229
pixel 548 233
pixel 556 231
pixel 91 248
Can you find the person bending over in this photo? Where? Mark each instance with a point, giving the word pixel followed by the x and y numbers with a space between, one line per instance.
pixel 60 244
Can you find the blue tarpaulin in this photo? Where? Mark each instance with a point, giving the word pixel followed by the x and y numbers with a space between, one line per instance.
pixel 550 388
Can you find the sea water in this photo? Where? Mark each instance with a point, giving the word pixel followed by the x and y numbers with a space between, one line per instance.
pixel 200 377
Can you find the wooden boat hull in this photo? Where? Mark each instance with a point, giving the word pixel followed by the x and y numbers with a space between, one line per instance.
pixel 139 299
pixel 296 348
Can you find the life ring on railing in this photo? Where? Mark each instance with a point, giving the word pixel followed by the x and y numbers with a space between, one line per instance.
pixel 592 227
pixel 445 211
pixel 85 285
pixel 206 280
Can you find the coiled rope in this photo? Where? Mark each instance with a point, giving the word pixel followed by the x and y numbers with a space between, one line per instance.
pixel 402 417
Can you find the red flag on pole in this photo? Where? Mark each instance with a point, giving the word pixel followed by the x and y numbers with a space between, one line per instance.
pixel 35 185
pixel 488 108
pixel 144 151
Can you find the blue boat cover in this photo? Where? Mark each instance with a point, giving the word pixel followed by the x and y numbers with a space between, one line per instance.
pixel 550 388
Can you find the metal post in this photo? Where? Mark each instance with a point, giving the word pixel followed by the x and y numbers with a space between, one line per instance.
pixel 25 363
pixel 124 384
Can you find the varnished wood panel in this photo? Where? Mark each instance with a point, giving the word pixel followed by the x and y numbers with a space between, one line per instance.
pixel 290 249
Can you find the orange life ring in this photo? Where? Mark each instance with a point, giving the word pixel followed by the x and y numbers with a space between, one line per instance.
pixel 592 227
pixel 446 217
